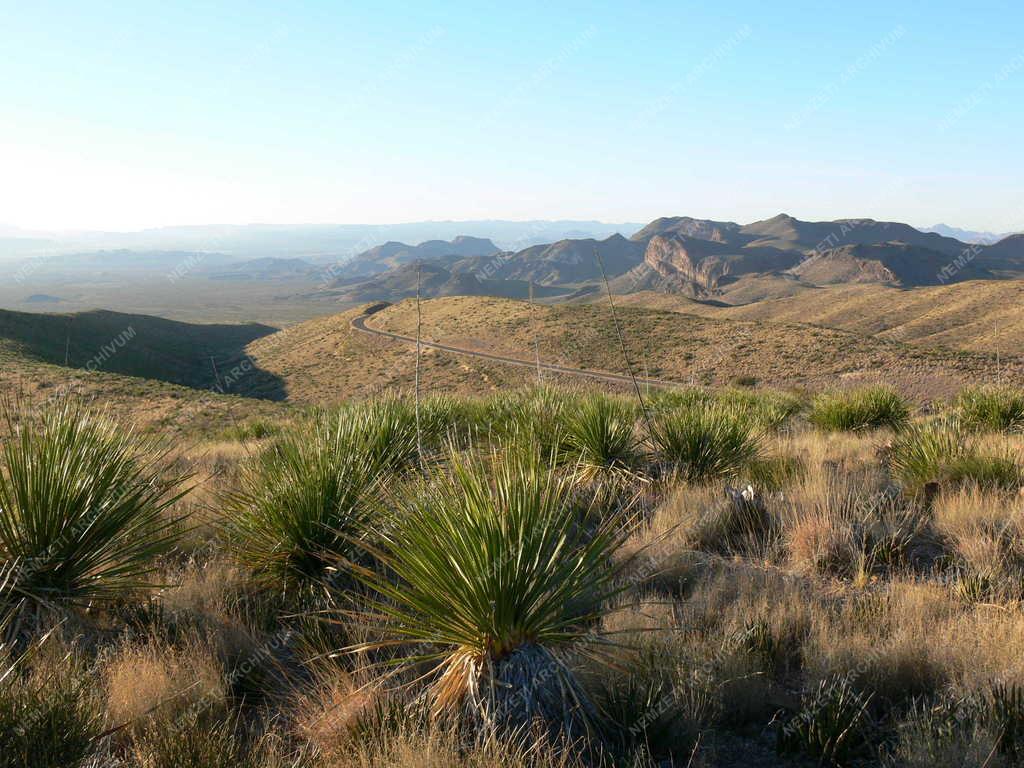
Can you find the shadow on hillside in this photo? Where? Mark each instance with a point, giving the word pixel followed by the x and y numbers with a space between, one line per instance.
pixel 194 355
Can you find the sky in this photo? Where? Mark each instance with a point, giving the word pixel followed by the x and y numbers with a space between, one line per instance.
pixel 129 115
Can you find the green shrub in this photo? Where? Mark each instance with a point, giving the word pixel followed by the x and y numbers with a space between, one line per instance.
pixel 995 409
pixel 600 436
pixel 534 416
pixel 84 505
pixel 986 471
pixel 941 451
pixel 773 473
pixel 490 573
pixel 706 442
pixel 769 410
pixel 305 501
pixel 258 429
pixel 869 408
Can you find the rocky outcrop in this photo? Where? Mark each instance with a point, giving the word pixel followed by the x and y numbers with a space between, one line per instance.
pixel 687 262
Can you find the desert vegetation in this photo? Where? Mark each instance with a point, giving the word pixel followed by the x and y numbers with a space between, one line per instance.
pixel 542 577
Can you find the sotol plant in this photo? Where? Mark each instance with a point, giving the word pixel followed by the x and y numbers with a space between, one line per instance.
pixel 83 505
pixel 491 575
pixel 832 724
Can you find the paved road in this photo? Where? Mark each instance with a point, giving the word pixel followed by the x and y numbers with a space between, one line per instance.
pixel 359 324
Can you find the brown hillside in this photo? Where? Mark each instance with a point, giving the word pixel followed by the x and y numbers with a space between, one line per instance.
pixel 690 348
pixel 980 316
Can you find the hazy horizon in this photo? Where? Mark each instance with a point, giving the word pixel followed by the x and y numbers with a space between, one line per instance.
pixel 7 228
pixel 122 118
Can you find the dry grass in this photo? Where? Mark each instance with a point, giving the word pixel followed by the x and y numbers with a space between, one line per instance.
pixel 438 748
pixel 204 591
pixel 838 573
pixel 977 315
pixel 159 681
pixel 685 347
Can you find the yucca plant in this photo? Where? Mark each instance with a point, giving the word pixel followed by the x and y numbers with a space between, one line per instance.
pixel 997 409
pixel 83 505
pixel 458 420
pixel 492 575
pixel 305 501
pixel 652 708
pixel 868 408
pixel 706 442
pixel 1004 709
pixel 601 436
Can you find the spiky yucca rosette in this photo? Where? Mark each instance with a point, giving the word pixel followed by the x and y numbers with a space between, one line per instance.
pixel 494 577
pixel 84 504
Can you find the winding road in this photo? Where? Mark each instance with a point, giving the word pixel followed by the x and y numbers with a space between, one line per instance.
pixel 359 324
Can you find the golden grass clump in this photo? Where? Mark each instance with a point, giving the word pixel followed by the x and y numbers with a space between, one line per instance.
pixel 157 681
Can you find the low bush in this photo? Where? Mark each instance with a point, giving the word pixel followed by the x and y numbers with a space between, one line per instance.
pixel 740 523
pixel 196 741
pixel 770 410
pixel 869 408
pixel 993 409
pixel 258 429
pixel 773 473
pixel 705 443
pixel 941 451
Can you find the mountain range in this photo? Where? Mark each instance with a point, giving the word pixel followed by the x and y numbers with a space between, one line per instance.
pixel 700 258
pixel 705 259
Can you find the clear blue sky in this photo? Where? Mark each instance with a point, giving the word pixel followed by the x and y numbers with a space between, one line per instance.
pixel 135 114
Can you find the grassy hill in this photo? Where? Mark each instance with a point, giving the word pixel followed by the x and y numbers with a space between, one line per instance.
pixel 147 404
pixel 325 361
pixel 131 344
pixel 979 316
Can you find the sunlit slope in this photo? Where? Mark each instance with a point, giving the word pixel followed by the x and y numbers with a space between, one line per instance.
pixel 981 316
pixel 323 360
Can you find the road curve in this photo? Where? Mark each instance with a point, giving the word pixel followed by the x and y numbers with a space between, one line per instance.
pixel 359 324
